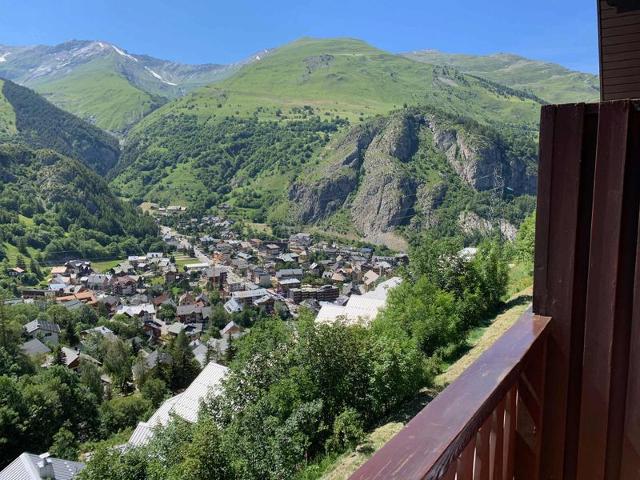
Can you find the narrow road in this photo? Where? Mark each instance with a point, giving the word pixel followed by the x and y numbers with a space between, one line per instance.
pixel 199 254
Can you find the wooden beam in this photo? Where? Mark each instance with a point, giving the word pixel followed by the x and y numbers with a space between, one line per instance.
pixel 630 462
pixel 565 179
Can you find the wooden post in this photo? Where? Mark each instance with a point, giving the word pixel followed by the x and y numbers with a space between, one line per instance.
pixel 565 181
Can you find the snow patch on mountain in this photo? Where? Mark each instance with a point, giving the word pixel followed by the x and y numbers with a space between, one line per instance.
pixel 124 54
pixel 3 57
pixel 159 77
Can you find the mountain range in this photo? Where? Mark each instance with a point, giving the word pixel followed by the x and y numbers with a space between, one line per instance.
pixel 103 83
pixel 327 132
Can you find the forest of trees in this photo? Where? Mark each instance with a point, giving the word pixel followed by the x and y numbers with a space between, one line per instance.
pixel 56 409
pixel 220 154
pixel 52 208
pixel 42 125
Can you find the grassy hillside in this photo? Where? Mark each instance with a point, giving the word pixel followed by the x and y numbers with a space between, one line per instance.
pixel 7 116
pixel 181 160
pixel 54 205
pixel 554 83
pixel 97 93
pixel 27 117
pixel 306 171
pixel 348 78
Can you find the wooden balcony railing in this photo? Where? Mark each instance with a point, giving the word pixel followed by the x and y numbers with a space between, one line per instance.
pixel 485 425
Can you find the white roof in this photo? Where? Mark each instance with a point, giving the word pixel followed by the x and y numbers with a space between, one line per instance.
pixel 185 404
pixel 196 266
pixel 70 355
pixel 359 308
pixel 25 467
pixel 135 310
pixel 232 306
pixel 382 289
pixel 259 292
pixel 176 327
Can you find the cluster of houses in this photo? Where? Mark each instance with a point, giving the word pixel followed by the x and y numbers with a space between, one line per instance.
pixel 293 272
pixel 239 277
pixel 336 282
pixel 125 290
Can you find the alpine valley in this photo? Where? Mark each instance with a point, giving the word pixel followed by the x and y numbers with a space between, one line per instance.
pixel 261 270
pixel 329 135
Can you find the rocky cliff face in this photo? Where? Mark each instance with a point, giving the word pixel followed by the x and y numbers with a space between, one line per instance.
pixel 377 174
pixel 386 194
pixel 479 161
pixel 319 197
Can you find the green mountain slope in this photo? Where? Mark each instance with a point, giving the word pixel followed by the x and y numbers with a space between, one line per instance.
pixel 103 83
pixel 554 83
pixel 55 205
pixel 273 116
pixel 7 116
pixel 27 117
pixel 351 79
pixel 414 169
pixel 180 160
pixel 100 95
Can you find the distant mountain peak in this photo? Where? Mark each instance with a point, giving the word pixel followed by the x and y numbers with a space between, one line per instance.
pixel 75 74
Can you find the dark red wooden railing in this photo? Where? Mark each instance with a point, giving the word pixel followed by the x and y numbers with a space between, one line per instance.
pixel 477 425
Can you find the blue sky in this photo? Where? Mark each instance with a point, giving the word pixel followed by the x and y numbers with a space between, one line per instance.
pixel 198 31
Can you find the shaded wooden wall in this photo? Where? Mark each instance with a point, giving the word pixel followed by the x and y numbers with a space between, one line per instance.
pixel 619 27
pixel 587 278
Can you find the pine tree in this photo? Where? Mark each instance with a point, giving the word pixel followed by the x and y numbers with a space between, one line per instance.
pixel 58 356
pixel 4 330
pixel 22 246
pixel 20 263
pixel 185 367
pixel 65 444
pixel 34 266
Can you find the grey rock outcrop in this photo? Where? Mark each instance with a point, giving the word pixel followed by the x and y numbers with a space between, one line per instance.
pixel 386 194
pixel 482 164
pixel 371 172
pixel 324 195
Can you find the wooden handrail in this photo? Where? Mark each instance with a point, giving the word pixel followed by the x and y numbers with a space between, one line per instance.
pixel 470 428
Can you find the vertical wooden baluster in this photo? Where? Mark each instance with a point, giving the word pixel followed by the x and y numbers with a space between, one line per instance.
pixel 465 462
pixel 481 467
pixel 509 449
pixel 497 441
pixel 530 415
pixel 451 472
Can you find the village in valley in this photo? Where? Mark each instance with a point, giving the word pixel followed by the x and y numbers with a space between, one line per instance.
pixel 209 288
